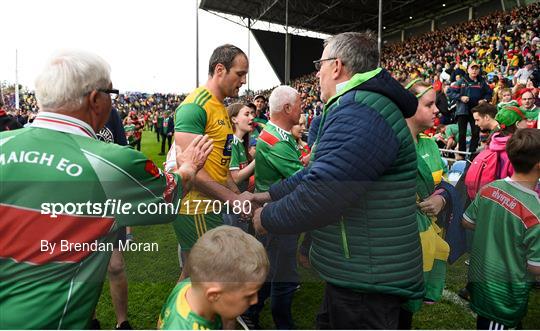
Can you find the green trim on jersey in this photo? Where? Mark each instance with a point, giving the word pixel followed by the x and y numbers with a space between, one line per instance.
pixel 176 313
pixel 202 98
pixel 506 239
pixel 191 118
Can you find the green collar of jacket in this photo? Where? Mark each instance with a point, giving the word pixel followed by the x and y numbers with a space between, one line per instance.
pixel 355 81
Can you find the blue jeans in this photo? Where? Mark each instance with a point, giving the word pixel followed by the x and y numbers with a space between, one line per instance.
pixel 282 280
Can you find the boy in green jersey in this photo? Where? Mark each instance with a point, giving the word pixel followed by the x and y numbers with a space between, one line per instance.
pixel 506 244
pixel 227 268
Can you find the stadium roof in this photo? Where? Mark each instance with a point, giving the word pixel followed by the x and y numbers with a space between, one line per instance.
pixel 334 16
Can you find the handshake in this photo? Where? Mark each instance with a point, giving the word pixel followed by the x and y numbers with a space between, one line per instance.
pixel 188 162
pixel 257 201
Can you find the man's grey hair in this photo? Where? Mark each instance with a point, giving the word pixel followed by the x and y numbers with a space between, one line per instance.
pixel 358 51
pixel 68 76
pixel 281 96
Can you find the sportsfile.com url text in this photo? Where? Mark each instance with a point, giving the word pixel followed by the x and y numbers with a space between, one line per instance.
pixel 118 207
pixel 107 208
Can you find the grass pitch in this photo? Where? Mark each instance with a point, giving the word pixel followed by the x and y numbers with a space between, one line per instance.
pixel 152 275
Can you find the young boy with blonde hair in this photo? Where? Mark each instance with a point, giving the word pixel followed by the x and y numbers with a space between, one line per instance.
pixel 227 267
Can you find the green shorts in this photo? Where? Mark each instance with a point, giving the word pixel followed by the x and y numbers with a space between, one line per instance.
pixel 189 228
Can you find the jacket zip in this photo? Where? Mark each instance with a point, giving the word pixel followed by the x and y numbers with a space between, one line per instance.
pixel 344 239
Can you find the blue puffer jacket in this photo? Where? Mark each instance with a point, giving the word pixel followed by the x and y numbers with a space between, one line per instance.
pixel 359 191
pixel 475 90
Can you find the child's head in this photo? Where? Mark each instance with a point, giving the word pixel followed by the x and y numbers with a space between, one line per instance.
pixel 523 150
pixel 506 95
pixel 227 267
pixel 241 117
pixel 426 112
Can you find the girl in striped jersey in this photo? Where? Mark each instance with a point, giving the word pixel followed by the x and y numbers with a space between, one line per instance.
pixel 242 165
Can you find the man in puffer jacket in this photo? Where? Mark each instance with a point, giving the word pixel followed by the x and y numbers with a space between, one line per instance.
pixel 358 193
pixel 469 91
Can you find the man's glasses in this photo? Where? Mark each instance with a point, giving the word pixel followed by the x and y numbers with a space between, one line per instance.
pixel 113 92
pixel 318 63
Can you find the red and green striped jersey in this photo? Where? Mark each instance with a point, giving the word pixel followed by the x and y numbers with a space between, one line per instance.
pixel 506 239
pixel 277 157
pixel 176 314
pixel 52 268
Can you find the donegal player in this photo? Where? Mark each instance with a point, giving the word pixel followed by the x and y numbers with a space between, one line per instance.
pixel 203 113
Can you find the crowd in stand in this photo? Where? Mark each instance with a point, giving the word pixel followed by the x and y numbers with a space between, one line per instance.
pixel 504 45
pixel 500 42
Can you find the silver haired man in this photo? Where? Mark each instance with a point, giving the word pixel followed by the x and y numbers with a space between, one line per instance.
pixel 278 158
pixel 65 194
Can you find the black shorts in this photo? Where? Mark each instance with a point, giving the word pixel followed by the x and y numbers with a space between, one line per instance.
pixel 120 236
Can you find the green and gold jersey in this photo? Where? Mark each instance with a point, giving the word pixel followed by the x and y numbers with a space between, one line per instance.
pixel 176 314
pixel 64 195
pixel 277 157
pixel 428 150
pixel 506 239
pixel 202 113
pixel 239 160
pixel 434 249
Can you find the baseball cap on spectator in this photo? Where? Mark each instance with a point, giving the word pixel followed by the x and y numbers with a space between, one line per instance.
pixel 259 96
pixel 473 64
pixel 509 116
